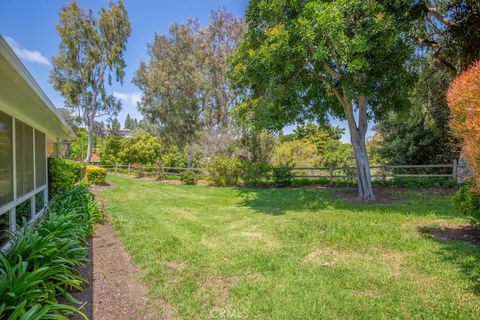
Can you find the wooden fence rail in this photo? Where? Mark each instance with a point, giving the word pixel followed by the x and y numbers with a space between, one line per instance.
pixel 384 171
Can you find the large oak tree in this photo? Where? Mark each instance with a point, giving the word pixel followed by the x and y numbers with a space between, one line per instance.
pixel 311 59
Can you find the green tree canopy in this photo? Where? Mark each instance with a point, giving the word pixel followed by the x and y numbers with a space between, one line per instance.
pixel 90 54
pixel 142 148
pixel 184 84
pixel 306 60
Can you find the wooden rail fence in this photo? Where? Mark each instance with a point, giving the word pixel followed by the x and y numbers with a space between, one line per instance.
pixel 384 171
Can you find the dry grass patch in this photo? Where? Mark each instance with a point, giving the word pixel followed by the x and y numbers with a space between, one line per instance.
pixel 217 289
pixel 389 259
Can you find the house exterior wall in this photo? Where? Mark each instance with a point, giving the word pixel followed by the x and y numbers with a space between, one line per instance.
pixel 23 183
pixel 28 120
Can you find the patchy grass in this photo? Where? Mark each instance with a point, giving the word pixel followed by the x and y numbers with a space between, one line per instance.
pixel 294 253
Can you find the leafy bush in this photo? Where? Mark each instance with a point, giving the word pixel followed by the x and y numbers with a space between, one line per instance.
pixel 95 175
pixel 188 177
pixel 463 97
pixel 467 201
pixel 283 175
pixel 43 260
pixel 142 148
pixel 419 182
pixel 62 175
pixel 296 152
pixel 225 172
pixel 255 173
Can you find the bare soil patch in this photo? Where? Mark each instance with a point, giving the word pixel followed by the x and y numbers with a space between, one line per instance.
pixel 114 289
pixel 449 232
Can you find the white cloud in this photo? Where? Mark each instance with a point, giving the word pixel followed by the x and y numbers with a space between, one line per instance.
pixel 27 55
pixel 130 99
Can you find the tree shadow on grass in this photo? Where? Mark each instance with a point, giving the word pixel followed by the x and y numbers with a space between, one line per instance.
pixel 277 201
pixel 459 246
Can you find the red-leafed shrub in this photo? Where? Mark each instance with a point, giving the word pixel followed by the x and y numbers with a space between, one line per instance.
pixel 464 101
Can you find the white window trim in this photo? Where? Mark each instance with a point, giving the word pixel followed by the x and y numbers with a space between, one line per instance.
pixel 9 208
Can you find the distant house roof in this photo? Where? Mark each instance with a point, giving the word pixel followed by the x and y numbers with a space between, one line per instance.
pixel 22 97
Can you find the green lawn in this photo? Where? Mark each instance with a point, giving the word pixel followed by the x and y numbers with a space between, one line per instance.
pixel 293 253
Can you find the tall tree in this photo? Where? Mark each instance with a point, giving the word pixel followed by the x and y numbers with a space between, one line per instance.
pixel 70 117
pixel 128 122
pixel 308 59
pixel 184 86
pixel 90 54
pixel 115 127
pixel 446 29
pixel 421 135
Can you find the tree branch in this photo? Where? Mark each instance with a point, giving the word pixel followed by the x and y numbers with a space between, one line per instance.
pixel 453 70
pixel 331 72
pixel 440 17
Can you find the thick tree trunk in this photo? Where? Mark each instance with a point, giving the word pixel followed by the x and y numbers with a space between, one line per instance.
pixel 90 144
pixel 365 190
pixel 357 137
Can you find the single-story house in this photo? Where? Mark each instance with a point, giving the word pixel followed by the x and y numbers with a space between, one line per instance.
pixel 30 130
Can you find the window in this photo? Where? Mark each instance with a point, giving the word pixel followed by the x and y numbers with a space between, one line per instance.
pixel 23 213
pixel 6 160
pixel 4 228
pixel 24 158
pixel 39 202
pixel 40 161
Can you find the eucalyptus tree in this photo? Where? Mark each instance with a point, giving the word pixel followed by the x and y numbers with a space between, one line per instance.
pixel 90 55
pixel 311 59
pixel 184 85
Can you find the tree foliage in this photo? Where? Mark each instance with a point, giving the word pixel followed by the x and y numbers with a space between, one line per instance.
pixel 464 102
pixel 142 148
pixel 421 135
pixel 296 153
pixel 448 29
pixel 304 60
pixel 184 85
pixel 90 54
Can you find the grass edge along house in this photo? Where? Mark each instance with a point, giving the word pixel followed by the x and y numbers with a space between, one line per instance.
pixel 30 130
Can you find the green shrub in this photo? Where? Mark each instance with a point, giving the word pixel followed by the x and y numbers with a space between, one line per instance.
pixel 283 175
pixel 62 175
pixel 420 182
pixel 256 173
pixel 225 172
pixel 42 263
pixel 467 201
pixel 95 175
pixel 188 177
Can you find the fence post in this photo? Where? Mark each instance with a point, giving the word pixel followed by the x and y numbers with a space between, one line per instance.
pixel 384 175
pixel 129 169
pixel 116 167
pixel 455 170
pixel 331 174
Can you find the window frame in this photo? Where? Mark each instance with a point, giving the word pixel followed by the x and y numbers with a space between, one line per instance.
pixel 10 207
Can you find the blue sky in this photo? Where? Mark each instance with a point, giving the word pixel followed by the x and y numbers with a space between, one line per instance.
pixel 29 26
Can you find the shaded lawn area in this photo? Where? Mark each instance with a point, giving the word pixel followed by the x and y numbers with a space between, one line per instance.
pixel 293 253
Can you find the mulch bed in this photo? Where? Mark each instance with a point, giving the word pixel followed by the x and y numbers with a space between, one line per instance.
pixel 383 195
